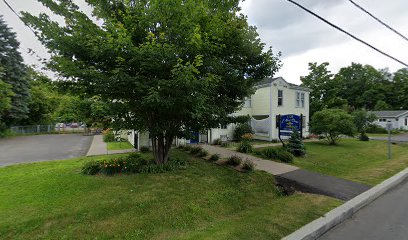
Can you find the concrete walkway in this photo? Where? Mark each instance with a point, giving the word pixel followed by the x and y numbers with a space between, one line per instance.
pixel 274 168
pixel 294 178
pixel 99 147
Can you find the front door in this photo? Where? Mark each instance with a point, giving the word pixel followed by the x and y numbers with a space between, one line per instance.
pixel 195 138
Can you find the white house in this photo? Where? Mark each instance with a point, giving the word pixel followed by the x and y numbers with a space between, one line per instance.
pixel 398 118
pixel 273 97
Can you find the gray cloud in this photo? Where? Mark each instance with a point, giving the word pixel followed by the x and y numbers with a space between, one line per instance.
pixel 291 30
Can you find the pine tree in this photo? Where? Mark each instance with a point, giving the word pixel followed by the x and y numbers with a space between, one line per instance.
pixel 15 74
pixel 295 145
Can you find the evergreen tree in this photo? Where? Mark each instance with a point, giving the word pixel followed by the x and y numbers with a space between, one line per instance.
pixel 295 145
pixel 14 74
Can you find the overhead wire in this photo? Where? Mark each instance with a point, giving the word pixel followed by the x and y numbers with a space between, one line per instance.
pixel 30 51
pixel 378 20
pixel 347 33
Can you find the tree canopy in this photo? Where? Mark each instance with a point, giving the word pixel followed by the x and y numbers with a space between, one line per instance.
pixel 332 123
pixel 169 67
pixel 356 87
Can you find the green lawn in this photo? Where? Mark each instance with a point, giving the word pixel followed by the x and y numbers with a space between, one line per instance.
pixel 359 161
pixel 119 145
pixel 53 200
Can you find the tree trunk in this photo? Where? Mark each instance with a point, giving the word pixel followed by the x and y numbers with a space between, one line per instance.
pixel 161 147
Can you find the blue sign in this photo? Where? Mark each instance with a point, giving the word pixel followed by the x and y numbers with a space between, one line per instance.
pixel 290 122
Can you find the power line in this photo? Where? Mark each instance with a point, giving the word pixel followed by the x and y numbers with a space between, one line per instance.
pixel 30 51
pixel 378 20
pixel 18 15
pixel 347 33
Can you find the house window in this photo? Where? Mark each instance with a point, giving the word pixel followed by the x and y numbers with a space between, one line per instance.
pixel 280 97
pixel 383 120
pixel 300 99
pixel 406 121
pixel 248 102
pixel 224 126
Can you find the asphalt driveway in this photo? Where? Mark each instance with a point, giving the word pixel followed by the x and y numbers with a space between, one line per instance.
pixel 403 137
pixel 43 147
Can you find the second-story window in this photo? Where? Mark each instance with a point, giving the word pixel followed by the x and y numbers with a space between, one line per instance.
pixel 300 99
pixel 280 97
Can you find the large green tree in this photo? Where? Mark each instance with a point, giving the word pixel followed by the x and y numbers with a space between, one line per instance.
pixel 400 89
pixel 169 66
pixel 15 74
pixel 44 99
pixel 361 85
pixel 324 88
pixel 332 123
pixel 6 95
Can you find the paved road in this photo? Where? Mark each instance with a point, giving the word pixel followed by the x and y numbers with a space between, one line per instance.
pixel 399 138
pixel 385 218
pixel 42 147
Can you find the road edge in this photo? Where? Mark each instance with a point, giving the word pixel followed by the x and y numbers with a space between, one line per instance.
pixel 318 227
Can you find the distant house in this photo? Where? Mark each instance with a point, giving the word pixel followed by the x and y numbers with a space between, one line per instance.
pixel 273 96
pixel 398 118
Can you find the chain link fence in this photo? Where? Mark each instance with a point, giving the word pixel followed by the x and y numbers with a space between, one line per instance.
pixel 38 129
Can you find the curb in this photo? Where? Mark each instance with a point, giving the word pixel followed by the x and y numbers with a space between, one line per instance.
pixel 323 224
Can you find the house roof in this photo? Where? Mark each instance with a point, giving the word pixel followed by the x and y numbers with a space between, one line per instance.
pixel 394 113
pixel 268 81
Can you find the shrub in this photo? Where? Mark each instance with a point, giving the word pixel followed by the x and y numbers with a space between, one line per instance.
pixel 295 145
pixel 181 147
pixel 144 149
pixel 248 165
pixel 364 137
pixel 284 156
pixel 258 153
pixel 171 165
pixel 225 144
pixel 214 158
pixel 242 129
pixel 270 153
pixel 373 128
pixel 275 140
pixel 234 160
pixel 332 123
pixel 245 147
pixel 133 163
pixel 108 135
pixel 202 153
pixel 91 168
pixel 188 148
pixel 278 154
pixel 217 141
pixel 195 150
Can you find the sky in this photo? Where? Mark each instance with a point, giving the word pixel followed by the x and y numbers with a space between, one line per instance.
pixel 300 37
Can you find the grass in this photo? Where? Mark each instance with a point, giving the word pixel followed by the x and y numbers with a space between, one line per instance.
pixel 364 162
pixel 119 145
pixel 52 200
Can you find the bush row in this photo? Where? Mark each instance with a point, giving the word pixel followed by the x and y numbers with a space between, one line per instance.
pixel 277 154
pixel 194 150
pixel 133 163
pixel 233 160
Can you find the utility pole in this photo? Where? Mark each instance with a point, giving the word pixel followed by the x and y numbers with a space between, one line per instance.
pixel 389 126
